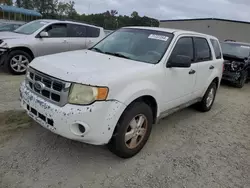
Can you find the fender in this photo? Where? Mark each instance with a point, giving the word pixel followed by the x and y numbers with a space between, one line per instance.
pixel 138 89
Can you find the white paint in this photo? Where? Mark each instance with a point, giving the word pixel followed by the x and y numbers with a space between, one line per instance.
pixel 126 79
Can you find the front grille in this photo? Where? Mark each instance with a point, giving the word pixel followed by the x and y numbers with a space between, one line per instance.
pixel 50 88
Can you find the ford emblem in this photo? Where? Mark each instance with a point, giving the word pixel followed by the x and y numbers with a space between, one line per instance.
pixel 39 85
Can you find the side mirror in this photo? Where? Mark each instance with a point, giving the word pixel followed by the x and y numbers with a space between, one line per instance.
pixel 180 61
pixel 44 34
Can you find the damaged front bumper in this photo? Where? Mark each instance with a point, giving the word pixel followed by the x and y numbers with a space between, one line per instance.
pixel 93 124
pixel 231 76
pixel 3 55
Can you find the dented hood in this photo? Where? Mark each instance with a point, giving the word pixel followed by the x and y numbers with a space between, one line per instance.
pixel 88 67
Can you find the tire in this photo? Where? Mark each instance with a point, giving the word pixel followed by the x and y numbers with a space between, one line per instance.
pixel 13 58
pixel 204 105
pixel 117 144
pixel 242 80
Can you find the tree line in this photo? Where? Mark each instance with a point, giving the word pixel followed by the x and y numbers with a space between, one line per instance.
pixel 54 9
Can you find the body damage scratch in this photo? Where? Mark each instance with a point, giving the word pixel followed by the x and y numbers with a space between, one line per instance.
pixel 99 118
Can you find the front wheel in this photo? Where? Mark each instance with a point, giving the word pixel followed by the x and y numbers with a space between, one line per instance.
pixel 17 62
pixel 132 131
pixel 242 80
pixel 208 99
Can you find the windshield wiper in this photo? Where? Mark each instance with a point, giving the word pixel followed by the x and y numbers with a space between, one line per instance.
pixel 117 55
pixel 96 49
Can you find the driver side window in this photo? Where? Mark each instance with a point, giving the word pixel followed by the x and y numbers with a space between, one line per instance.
pixel 183 47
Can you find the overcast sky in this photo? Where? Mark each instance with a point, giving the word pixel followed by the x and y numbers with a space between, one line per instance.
pixel 171 9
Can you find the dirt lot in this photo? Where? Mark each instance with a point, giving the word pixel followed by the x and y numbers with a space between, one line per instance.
pixel 189 149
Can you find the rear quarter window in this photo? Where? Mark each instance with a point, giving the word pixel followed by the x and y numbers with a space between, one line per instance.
pixel 217 50
pixel 93 32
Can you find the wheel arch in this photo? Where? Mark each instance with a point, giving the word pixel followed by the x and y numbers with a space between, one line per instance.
pixel 25 49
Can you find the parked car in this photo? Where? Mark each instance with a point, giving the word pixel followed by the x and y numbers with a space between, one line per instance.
pixel 237 62
pixel 115 91
pixel 44 37
pixel 9 26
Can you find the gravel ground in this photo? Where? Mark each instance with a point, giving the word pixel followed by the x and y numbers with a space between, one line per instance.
pixel 188 149
pixel 9 94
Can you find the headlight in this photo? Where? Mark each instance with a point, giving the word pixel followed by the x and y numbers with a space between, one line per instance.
pixel 234 65
pixel 83 94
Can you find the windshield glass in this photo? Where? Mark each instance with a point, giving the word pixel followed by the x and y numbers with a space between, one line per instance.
pixel 137 44
pixel 234 49
pixel 31 27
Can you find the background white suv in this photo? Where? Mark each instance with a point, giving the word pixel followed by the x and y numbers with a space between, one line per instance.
pixel 114 92
pixel 44 37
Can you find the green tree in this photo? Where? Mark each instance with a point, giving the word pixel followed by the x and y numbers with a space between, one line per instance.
pixel 134 14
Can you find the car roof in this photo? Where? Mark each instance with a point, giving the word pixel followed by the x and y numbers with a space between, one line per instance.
pixel 172 30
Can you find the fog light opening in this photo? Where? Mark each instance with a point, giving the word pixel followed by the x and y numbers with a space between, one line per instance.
pixel 81 128
pixel 78 129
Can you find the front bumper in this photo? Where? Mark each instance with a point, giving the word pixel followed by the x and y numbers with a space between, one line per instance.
pixel 3 55
pixel 99 119
pixel 231 76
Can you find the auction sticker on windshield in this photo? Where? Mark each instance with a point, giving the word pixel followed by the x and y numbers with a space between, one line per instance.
pixel 158 37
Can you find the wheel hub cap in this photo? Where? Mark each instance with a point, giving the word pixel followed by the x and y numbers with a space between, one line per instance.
pixel 136 131
pixel 210 98
pixel 19 63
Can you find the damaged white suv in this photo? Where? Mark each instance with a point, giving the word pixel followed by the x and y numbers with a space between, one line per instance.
pixel 114 92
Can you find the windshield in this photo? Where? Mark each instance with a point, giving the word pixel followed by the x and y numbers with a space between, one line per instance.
pixel 31 27
pixel 235 49
pixel 137 44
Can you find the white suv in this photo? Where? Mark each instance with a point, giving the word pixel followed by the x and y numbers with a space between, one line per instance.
pixel 114 92
pixel 44 37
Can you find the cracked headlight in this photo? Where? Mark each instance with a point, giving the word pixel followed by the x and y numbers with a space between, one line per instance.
pixel 83 94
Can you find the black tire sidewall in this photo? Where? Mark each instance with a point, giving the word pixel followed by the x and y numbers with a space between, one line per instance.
pixel 203 105
pixel 117 144
pixel 11 55
pixel 242 80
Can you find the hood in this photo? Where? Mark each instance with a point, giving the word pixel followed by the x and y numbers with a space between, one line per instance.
pixel 10 35
pixel 88 67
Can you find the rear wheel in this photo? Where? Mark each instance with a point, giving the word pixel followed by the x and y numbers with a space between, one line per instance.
pixel 132 131
pixel 17 62
pixel 208 99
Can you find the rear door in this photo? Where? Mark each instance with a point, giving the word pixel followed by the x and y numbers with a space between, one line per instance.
pixel 77 34
pixel 93 36
pixel 206 64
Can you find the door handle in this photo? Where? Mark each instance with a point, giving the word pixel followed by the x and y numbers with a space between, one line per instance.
pixel 64 41
pixel 211 67
pixel 192 71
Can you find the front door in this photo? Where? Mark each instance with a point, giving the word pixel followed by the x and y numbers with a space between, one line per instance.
pixel 56 42
pixel 180 82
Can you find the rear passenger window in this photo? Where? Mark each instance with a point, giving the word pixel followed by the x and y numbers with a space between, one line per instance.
pixel 93 32
pixel 184 47
pixel 216 47
pixel 203 51
pixel 77 30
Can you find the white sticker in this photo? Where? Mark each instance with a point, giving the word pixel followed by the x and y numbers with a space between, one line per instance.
pixel 245 47
pixel 158 37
